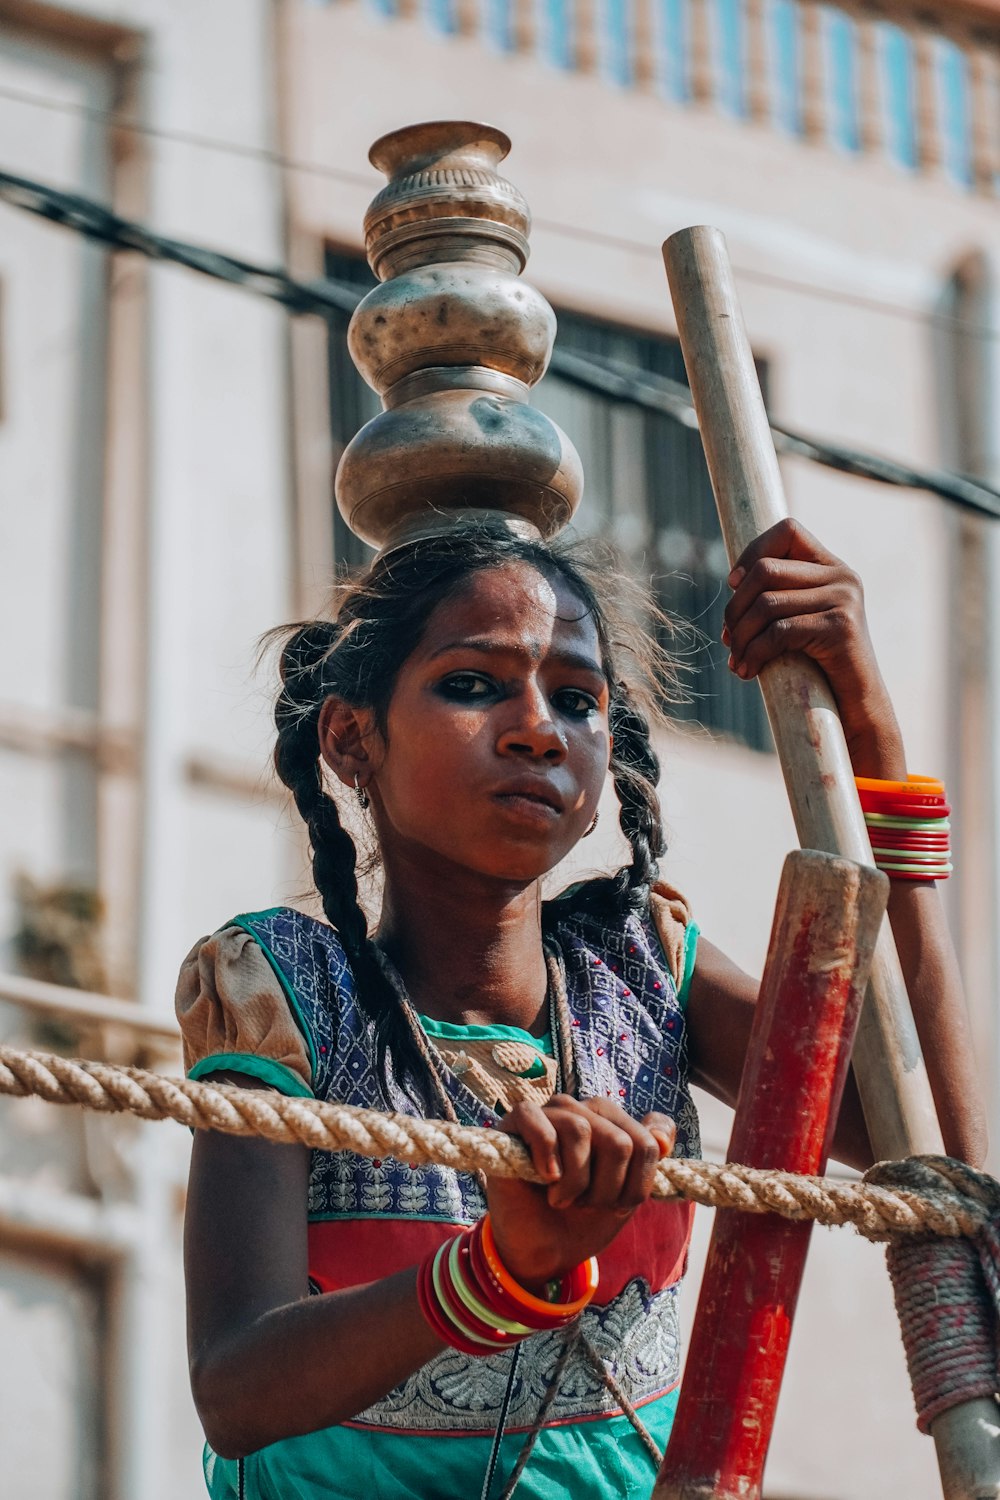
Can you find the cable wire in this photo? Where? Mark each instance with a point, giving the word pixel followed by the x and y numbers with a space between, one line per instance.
pixel 581 233
pixel 609 378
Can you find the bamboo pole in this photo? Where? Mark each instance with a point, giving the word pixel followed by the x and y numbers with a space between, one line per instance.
pixel 810 742
pixel 826 924
pixel 888 1064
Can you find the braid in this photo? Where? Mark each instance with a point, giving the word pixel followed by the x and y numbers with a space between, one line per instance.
pixel 635 768
pixel 334 856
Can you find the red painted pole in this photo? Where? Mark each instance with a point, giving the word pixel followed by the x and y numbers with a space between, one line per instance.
pixel 825 927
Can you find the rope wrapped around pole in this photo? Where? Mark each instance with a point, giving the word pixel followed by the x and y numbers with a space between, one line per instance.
pixel 947 1293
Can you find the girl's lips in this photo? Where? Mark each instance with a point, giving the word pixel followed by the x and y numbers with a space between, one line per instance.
pixel 534 788
pixel 528 806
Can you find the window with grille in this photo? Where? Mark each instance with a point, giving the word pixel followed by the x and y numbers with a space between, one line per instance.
pixel 647 489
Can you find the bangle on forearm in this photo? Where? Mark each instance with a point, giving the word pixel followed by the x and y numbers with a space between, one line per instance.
pixel 909 826
pixel 472 1302
pixel 566 1297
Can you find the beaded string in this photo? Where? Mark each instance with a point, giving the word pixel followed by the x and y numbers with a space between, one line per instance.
pixel 573 1336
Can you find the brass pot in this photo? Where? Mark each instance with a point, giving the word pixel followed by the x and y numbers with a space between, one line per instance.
pixel 451 313
pixel 467 447
pixel 452 340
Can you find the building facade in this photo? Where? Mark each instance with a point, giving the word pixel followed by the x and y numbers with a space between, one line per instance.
pixel 168 444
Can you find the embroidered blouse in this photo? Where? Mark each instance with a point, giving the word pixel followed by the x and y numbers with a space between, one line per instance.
pixel 272 995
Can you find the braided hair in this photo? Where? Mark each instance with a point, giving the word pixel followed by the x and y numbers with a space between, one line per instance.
pixel 356 656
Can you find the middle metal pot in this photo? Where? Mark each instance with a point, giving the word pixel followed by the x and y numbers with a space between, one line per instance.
pixel 457 437
pixel 451 313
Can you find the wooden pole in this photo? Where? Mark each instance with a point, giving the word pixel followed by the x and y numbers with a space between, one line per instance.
pixel 826 925
pixel 807 732
pixel 888 1065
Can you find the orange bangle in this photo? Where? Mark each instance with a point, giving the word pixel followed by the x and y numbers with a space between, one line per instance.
pixel 925 786
pixel 526 1299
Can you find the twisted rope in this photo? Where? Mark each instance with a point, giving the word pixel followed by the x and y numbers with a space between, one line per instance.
pixel 948 1200
pixel 947 1294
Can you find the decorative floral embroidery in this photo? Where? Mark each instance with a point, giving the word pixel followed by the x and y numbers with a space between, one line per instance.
pixel 637 1336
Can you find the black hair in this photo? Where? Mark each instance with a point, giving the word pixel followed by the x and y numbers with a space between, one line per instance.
pixel 378 617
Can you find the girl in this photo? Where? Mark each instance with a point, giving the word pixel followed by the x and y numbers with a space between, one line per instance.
pixel 472 691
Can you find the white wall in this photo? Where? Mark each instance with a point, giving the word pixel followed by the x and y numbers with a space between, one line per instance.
pixel 54 315
pixel 206 394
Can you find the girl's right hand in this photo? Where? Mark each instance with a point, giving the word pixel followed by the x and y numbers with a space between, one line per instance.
pixel 598 1165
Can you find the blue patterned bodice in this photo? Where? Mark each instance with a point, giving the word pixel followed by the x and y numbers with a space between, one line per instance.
pixel 629 1044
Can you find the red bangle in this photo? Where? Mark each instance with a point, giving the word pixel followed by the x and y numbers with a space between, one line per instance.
pixel 427 1302
pixel 915 837
pixel 504 1302
pixel 463 1284
pixel 903 807
pixel 492 1291
pixel 914 792
pixel 582 1281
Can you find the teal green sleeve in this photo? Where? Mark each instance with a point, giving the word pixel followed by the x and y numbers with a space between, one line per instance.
pixel 691 934
pixel 274 1073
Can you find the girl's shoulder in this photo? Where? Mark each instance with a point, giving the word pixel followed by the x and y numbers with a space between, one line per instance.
pixel 627 981
pixel 259 997
pixel 663 938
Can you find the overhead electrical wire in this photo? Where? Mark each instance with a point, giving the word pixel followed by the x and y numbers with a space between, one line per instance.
pixel 584 234
pixel 322 296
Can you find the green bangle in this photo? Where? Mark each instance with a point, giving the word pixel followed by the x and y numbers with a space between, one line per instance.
pixel 908 869
pixel 476 1308
pixel 448 1312
pixel 914 856
pixel 929 825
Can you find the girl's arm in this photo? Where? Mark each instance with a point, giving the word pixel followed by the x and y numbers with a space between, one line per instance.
pixel 790 594
pixel 269 1361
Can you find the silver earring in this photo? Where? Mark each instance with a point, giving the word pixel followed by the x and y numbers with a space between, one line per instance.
pixel 593 824
pixel 359 791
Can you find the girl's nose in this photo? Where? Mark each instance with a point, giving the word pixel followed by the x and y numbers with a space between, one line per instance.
pixel 534 733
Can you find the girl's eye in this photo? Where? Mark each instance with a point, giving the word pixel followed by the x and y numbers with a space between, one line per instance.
pixel 465 685
pixel 575 702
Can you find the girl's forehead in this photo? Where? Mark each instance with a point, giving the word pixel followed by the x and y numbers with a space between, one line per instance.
pixel 512 603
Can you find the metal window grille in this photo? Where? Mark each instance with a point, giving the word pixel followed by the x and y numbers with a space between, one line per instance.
pixel 647 489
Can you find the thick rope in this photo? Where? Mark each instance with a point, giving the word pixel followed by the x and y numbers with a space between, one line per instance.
pixel 942 1217
pixel 880 1208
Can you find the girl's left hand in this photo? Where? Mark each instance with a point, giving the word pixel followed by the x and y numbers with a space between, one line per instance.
pixel 791 594
pixel 599 1165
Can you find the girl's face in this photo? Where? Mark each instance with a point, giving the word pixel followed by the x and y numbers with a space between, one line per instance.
pixel 497 741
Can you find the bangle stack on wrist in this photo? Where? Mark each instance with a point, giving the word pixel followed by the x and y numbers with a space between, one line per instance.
pixel 908 824
pixel 473 1303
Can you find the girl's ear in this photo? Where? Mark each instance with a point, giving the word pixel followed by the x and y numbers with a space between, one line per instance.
pixel 347 742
